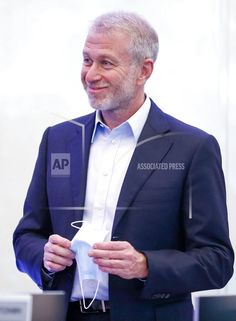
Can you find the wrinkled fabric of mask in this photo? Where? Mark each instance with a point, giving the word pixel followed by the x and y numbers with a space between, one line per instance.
pixel 89 273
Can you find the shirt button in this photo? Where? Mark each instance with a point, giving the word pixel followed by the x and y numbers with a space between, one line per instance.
pixel 105 173
pixel 113 141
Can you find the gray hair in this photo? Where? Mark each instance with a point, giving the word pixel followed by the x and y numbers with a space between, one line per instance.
pixel 143 38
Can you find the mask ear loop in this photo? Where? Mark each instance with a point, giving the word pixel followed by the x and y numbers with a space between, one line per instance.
pixel 82 292
pixel 73 224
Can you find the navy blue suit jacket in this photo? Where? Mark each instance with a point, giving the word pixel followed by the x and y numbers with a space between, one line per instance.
pixel 171 207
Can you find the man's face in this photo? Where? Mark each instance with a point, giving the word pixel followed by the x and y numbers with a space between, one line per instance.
pixel 108 73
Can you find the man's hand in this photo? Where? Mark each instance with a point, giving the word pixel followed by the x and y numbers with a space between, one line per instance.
pixel 120 258
pixel 57 254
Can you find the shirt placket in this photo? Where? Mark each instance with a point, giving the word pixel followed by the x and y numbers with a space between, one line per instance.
pixel 104 178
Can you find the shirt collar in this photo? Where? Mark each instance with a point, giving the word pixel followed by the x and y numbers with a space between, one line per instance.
pixel 136 121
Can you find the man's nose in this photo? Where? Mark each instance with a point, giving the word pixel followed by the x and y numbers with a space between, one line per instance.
pixel 93 73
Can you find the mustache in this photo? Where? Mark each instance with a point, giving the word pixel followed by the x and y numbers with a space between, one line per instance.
pixel 97 86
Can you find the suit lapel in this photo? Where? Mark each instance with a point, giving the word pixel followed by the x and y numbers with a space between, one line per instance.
pixel 79 146
pixel 151 148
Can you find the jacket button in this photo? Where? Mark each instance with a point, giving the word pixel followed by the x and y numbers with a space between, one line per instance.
pixel 115 238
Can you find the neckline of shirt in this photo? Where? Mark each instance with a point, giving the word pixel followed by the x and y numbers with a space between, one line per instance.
pixel 135 122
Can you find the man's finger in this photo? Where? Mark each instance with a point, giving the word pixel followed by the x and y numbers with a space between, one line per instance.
pixel 115 246
pixel 59 240
pixel 62 260
pixel 107 254
pixel 112 263
pixel 116 271
pixel 54 267
pixel 58 250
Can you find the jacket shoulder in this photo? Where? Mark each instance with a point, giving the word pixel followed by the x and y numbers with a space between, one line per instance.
pixel 173 124
pixel 182 127
pixel 79 122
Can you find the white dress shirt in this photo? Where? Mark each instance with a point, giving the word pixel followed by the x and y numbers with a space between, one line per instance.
pixel 109 158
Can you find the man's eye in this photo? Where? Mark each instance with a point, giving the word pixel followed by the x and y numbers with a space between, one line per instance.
pixel 106 63
pixel 87 61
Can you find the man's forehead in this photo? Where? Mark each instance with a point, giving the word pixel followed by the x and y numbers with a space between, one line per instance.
pixel 106 40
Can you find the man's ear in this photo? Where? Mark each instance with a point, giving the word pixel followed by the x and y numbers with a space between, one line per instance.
pixel 146 71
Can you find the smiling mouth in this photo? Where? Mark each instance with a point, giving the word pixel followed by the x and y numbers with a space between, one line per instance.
pixel 94 90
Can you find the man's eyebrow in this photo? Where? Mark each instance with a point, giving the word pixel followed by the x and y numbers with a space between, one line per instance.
pixel 110 57
pixel 102 56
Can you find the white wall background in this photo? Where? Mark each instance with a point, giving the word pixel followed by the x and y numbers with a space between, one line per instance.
pixel 40 58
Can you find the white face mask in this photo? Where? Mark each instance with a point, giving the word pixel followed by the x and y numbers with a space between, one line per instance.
pixel 81 244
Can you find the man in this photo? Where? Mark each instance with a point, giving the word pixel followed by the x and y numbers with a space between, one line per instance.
pixel 153 183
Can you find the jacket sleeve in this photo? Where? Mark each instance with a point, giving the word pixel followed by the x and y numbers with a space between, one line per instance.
pixel 34 228
pixel 207 261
